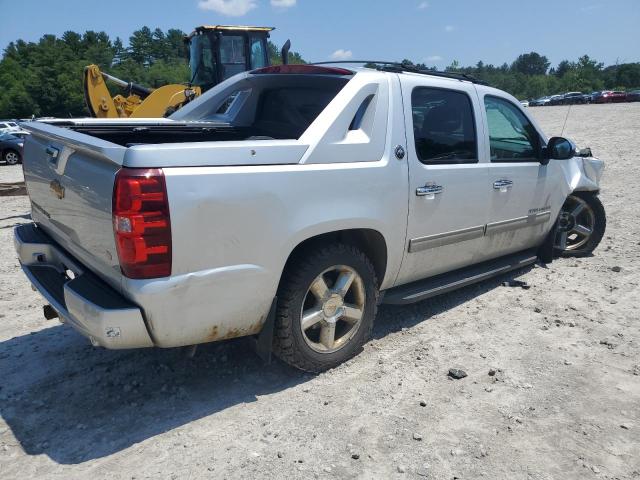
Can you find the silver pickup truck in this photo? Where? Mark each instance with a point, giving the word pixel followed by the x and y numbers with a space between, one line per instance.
pixel 287 203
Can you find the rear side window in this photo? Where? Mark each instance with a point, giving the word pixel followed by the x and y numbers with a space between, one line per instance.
pixel 443 126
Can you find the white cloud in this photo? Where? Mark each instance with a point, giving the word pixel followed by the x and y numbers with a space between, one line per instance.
pixel 434 58
pixel 423 5
pixel 449 28
pixel 341 55
pixel 231 8
pixel 283 3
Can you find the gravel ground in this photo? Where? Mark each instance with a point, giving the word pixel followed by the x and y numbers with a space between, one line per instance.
pixel 563 400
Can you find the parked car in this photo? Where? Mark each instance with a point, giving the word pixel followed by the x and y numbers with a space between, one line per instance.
pixel 7 126
pixel 287 203
pixel 556 100
pixel 11 147
pixel 612 97
pixel 591 97
pixel 540 102
pixel 573 98
pixel 524 103
pixel 633 96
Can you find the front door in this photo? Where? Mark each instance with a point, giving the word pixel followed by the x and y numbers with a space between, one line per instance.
pixel 447 182
pixel 524 193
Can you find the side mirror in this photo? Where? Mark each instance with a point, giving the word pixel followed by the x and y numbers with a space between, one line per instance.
pixel 559 148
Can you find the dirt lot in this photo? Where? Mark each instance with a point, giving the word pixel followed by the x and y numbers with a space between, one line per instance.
pixel 564 403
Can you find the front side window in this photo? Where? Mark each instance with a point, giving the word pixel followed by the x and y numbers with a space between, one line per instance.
pixel 443 126
pixel 258 55
pixel 512 137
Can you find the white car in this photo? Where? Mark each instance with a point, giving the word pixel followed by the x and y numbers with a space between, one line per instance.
pixel 9 126
pixel 287 203
pixel 524 103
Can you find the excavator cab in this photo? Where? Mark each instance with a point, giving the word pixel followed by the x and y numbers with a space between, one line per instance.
pixel 219 52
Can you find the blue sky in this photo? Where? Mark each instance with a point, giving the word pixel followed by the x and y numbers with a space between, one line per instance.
pixel 431 31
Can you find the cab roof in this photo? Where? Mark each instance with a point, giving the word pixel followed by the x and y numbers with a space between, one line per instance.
pixel 229 28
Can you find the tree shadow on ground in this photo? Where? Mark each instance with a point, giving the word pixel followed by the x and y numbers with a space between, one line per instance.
pixel 63 398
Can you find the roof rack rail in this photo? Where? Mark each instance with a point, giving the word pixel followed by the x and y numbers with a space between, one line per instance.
pixel 399 67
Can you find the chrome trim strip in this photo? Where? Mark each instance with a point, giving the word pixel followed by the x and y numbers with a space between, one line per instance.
pixel 520 222
pixel 446 238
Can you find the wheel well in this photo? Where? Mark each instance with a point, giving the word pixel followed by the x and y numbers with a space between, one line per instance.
pixel 371 242
pixel 585 192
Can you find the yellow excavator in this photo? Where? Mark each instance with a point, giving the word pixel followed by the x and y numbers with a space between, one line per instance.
pixel 215 53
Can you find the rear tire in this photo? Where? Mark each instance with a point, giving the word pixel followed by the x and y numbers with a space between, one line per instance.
pixel 327 303
pixel 11 157
pixel 584 230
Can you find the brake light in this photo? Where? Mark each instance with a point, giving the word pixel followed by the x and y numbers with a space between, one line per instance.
pixel 141 223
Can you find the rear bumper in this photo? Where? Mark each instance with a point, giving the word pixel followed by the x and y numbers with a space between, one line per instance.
pixel 85 302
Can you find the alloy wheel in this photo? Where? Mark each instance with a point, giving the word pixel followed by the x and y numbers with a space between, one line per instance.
pixel 332 309
pixel 576 224
pixel 11 158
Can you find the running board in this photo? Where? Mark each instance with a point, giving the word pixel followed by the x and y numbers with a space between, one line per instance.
pixel 447 282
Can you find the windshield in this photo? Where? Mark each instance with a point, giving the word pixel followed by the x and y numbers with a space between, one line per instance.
pixel 202 61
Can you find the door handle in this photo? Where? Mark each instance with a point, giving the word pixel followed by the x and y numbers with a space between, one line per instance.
pixel 429 190
pixel 503 185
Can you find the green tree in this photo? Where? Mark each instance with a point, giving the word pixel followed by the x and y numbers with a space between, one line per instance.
pixel 563 67
pixel 531 64
pixel 627 75
pixel 141 46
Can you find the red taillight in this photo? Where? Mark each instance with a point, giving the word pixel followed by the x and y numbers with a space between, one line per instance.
pixel 141 223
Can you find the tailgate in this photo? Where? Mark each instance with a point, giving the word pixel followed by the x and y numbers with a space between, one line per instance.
pixel 70 177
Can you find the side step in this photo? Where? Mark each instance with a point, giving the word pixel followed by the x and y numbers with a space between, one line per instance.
pixel 447 282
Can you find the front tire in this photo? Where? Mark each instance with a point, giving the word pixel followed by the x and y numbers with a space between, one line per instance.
pixel 581 225
pixel 11 157
pixel 327 303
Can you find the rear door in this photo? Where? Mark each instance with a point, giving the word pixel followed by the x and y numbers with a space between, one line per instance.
pixel 447 181
pixel 525 194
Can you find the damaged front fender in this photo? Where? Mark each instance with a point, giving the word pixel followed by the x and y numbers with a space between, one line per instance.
pixel 584 174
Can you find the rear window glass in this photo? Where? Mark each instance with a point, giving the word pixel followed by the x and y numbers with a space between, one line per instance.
pixel 288 112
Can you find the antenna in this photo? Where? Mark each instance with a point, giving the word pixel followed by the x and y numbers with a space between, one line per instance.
pixel 565 119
